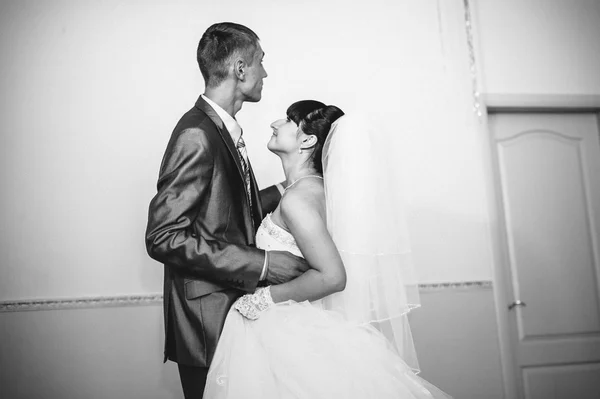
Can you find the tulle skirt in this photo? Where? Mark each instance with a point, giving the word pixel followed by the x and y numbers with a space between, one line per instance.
pixel 297 350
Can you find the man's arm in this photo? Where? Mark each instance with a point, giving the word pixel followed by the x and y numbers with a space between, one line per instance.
pixel 270 197
pixel 184 183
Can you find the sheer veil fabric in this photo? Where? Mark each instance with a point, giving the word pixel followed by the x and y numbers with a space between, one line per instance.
pixel 365 216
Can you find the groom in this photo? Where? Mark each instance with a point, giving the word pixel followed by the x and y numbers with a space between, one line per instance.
pixel 203 219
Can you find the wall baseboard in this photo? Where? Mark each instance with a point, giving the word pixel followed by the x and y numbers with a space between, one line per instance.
pixel 156 298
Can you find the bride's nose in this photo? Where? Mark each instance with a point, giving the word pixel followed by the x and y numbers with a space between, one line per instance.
pixel 276 124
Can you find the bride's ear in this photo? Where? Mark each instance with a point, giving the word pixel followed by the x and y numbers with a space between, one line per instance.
pixel 308 141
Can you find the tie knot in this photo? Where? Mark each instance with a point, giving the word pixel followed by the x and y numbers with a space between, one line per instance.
pixel 241 143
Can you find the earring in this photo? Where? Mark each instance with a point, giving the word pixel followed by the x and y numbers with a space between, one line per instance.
pixel 299 150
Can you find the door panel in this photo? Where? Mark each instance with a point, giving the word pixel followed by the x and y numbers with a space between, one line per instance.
pixel 548 180
pixel 564 381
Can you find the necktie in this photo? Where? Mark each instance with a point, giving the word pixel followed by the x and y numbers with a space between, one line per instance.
pixel 241 147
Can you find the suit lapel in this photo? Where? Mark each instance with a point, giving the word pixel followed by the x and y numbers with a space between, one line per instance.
pixel 226 136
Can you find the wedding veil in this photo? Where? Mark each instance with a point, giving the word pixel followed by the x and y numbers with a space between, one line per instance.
pixel 366 220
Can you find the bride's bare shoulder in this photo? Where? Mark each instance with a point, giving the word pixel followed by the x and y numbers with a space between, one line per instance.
pixel 306 197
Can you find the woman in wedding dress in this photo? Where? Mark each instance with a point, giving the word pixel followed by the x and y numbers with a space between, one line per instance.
pixel 339 330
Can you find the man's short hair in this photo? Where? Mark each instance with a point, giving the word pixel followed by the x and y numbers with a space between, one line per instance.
pixel 219 44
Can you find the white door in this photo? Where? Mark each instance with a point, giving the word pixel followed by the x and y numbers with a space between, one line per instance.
pixel 548 184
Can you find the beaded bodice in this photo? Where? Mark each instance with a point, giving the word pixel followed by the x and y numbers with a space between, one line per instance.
pixel 272 237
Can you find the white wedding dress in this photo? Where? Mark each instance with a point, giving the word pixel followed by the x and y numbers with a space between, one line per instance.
pixel 299 350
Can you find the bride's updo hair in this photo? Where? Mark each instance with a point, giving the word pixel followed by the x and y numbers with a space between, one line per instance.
pixel 300 109
pixel 318 123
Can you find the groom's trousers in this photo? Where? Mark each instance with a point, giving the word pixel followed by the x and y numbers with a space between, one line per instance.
pixel 193 380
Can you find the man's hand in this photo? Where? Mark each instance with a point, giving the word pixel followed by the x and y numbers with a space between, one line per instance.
pixel 284 266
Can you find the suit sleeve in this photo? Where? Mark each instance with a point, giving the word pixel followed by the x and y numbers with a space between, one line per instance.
pixel 269 198
pixel 183 184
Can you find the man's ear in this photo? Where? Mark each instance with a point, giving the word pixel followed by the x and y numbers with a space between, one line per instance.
pixel 239 69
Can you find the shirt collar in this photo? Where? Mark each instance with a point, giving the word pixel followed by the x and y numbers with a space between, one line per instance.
pixel 232 126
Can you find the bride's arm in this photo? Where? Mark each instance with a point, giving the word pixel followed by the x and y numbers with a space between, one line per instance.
pixel 304 217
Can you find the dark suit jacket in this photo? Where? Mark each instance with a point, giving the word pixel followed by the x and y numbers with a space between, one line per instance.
pixel 200 226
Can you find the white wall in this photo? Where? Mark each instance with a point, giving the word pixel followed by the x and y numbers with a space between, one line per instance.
pixel 86 353
pixel 543 47
pixel 91 91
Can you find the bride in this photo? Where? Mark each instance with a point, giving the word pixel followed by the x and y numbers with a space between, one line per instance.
pixel 339 330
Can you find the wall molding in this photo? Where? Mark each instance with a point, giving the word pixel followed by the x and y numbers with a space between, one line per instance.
pixel 156 298
pixel 456 285
pixel 80 302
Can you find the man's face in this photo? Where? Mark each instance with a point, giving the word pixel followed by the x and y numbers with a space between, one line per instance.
pixel 254 74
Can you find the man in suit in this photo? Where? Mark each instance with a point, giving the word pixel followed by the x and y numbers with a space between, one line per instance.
pixel 203 219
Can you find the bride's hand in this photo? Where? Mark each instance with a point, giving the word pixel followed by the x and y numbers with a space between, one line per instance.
pixel 252 305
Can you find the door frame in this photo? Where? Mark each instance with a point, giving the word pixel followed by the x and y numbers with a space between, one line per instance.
pixel 514 103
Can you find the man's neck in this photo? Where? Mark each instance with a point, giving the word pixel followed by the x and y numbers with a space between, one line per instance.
pixel 224 96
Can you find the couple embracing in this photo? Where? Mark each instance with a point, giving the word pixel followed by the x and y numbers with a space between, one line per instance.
pixel 295 291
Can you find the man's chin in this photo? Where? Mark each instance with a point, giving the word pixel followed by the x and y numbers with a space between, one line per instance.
pixel 252 98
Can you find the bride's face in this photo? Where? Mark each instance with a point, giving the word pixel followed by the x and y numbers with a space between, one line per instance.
pixel 286 137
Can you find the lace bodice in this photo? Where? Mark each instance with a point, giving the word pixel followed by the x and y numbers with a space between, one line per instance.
pixel 272 237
